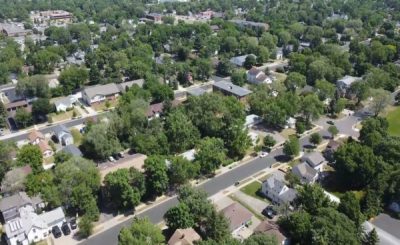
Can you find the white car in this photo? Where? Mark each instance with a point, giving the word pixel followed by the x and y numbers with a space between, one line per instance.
pixel 111 159
pixel 263 154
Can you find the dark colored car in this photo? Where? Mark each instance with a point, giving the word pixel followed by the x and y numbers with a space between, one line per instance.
pixel 269 212
pixel 120 155
pixel 330 122
pixel 73 224
pixel 116 156
pixel 65 229
pixel 56 231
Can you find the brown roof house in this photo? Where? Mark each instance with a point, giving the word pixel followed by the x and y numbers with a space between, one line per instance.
pixel 45 149
pixel 272 229
pixel 184 237
pixel 35 137
pixel 237 215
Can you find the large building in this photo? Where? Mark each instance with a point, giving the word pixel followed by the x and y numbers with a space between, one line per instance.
pixel 230 89
pixel 100 93
pixel 54 16
pixel 14 30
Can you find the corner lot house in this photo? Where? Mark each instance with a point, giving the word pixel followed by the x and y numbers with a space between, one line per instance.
pixel 275 189
pixel 237 215
pixel 316 160
pixel 100 93
pixel 256 76
pixel 184 237
pixel 306 174
pixel 63 135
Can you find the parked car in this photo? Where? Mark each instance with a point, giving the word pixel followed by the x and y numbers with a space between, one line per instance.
pixel 263 154
pixel 111 159
pixel 121 154
pixel 56 231
pixel 269 212
pixel 115 156
pixel 65 229
pixel 237 183
pixel 330 122
pixel 73 224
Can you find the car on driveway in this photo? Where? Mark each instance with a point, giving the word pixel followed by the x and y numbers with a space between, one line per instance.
pixel 73 224
pixel 56 231
pixel 263 154
pixel 65 229
pixel 111 159
pixel 269 212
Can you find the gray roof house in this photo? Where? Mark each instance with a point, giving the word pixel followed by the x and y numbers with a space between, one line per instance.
pixel 230 89
pixel 315 159
pixel 306 174
pixel 100 93
pixel 63 135
pixel 126 85
pixel 345 82
pixel 275 189
pixel 10 205
pixel 73 150
pixel 239 60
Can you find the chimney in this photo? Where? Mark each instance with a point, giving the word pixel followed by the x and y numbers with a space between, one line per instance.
pixel 230 87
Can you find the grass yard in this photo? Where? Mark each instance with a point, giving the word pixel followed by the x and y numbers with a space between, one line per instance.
pixel 77 136
pixel 255 213
pixel 103 105
pixel 63 115
pixel 252 190
pixel 393 118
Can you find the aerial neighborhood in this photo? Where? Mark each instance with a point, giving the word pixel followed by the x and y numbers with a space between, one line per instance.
pixel 200 122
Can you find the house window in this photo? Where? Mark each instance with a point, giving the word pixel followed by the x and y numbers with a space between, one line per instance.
pixel 34 230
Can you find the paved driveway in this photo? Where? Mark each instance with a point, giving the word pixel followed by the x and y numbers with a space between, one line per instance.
pixel 388 224
pixel 256 204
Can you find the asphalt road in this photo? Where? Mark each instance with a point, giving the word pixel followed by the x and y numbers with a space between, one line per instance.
pixel 213 186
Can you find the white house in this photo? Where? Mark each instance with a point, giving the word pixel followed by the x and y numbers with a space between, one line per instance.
pixel 291 122
pixel 252 120
pixel 100 93
pixel 65 103
pixel 256 76
pixel 30 228
pixel 306 174
pixel 275 189
pixel 345 82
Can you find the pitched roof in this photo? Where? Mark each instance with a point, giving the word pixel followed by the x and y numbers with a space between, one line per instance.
pixel 184 237
pixel 53 217
pixel 333 145
pixel 72 149
pixel 63 101
pixel 196 91
pixel 314 158
pixel 44 146
pixel 348 80
pixel 304 170
pixel 107 89
pixel 232 88
pixel 254 71
pixel 270 228
pixel 237 215
pixel 17 200
pixel 122 86
pixel 28 219
pixel 34 135
pixel 60 129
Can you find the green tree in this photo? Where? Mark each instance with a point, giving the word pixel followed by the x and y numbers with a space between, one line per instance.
pixel 325 89
pixel 142 231
pixel 179 217
pixel 311 198
pixel 333 130
pixel 360 89
pixel 122 189
pixel 156 175
pixel 73 78
pixel 224 68
pixel 23 118
pixel 298 225
pixel 3 115
pixel 292 147
pixel 182 134
pixel 312 107
pixel 261 239
pixel 371 238
pixel 210 154
pixel 34 86
pixel 315 139
pixel 217 227
pixel 41 107
pixel 295 81
pixel 32 156
pixel 85 227
pixel 381 98
pixel 44 61
pixel 350 206
pixel 269 141
pixel 181 170
pixel 239 77
pixel 250 61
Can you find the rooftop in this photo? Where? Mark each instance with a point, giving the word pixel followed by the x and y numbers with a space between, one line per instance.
pixel 348 80
pixel 304 170
pixel 184 237
pixel 237 215
pixel 73 150
pixel 107 89
pixel 314 158
pixel 232 88
pixel 17 200
pixel 34 135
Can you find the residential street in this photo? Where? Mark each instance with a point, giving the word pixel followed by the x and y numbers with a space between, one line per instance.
pixel 213 186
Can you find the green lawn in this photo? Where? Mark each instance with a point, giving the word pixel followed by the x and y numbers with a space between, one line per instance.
pixel 252 190
pixel 394 122
pixel 77 136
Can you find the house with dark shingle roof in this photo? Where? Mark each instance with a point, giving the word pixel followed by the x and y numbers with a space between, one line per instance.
pixel 73 150
pixel 316 160
pixel 63 135
pixel 276 189
pixel 230 89
pixel 305 172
